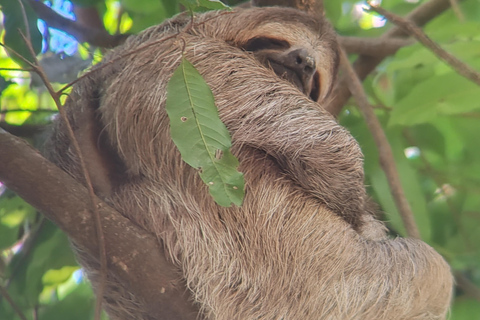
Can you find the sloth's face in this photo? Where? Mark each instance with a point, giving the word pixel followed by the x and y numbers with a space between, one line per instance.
pixel 295 64
pixel 302 58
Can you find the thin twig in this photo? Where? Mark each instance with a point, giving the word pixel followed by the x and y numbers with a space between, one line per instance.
pixel 96 215
pixel 387 161
pixel 8 49
pixel 459 66
pixel 457 10
pixel 373 46
pixel 5 294
pixel 25 20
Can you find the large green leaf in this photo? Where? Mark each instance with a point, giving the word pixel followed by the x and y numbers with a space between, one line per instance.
pixel 13 21
pixel 200 135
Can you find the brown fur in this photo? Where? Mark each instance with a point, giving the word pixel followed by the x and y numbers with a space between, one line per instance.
pixel 303 245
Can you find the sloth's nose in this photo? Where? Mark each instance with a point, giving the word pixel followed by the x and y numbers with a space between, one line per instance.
pixel 302 61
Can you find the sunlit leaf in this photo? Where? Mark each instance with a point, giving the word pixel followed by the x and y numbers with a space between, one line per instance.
pixel 4 84
pixel 201 137
pixel 57 276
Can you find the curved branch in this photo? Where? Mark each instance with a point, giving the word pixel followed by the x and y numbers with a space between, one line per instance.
pixel 94 36
pixel 132 251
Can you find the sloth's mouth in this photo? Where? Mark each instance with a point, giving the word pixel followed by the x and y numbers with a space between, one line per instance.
pixel 308 84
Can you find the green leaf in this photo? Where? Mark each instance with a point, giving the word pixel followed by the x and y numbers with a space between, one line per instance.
pixel 4 84
pixel 77 305
pixel 446 94
pixel 13 213
pixel 58 276
pixel 195 5
pixel 50 250
pixel 13 21
pixel 203 140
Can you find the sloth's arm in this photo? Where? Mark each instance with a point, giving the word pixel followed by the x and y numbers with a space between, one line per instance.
pixel 269 114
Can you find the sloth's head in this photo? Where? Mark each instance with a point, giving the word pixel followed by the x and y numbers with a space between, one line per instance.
pixel 297 46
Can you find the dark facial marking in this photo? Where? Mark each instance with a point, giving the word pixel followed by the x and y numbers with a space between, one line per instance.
pixel 265 43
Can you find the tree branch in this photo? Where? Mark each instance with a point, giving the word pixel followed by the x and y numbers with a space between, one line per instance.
pixel 387 161
pixel 366 64
pixel 375 47
pixel 25 130
pixel 467 286
pixel 460 67
pixel 133 253
pixel 456 9
pixel 94 36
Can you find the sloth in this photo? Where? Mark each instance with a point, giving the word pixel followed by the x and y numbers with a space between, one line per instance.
pixel 305 243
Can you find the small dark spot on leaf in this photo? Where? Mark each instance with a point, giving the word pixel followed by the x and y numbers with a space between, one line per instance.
pixel 184 119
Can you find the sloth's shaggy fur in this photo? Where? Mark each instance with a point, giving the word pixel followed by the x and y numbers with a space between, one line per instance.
pixel 304 244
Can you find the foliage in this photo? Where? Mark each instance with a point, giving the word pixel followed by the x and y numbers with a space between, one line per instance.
pixel 430 114
pixel 200 135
